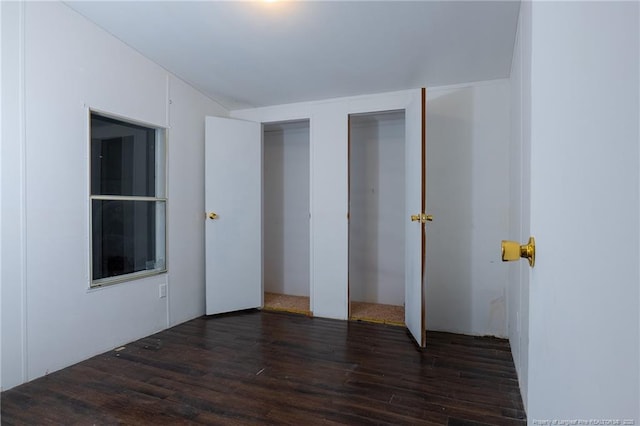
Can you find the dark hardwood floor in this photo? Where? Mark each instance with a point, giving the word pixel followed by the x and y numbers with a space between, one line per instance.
pixel 274 368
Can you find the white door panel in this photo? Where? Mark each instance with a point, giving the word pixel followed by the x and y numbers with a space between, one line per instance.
pixel 414 230
pixel 233 241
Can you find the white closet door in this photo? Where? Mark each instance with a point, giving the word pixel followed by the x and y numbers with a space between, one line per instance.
pixel 415 229
pixel 233 231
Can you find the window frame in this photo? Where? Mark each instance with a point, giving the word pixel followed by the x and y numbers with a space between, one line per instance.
pixel 162 134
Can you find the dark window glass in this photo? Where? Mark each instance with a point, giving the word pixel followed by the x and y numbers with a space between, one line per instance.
pixel 124 236
pixel 123 158
pixel 128 211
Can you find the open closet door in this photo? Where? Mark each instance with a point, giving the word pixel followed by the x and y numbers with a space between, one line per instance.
pixel 233 230
pixel 415 137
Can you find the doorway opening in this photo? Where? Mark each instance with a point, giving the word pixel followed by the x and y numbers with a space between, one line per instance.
pixel 376 217
pixel 285 216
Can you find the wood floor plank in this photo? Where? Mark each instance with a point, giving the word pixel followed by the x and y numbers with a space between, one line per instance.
pixel 274 368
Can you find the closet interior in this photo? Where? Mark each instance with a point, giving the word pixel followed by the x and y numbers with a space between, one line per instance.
pixel 286 233
pixel 376 217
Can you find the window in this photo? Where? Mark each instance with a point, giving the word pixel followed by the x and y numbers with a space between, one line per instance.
pixel 128 204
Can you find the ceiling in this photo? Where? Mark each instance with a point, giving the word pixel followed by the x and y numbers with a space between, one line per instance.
pixel 249 54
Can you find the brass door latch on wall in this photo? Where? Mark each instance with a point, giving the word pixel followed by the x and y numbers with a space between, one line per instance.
pixel 212 215
pixel 422 218
pixel 512 250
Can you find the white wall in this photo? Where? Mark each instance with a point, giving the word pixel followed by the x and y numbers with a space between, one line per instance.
pixel 50 319
pixel 377 199
pixel 1 82
pixel 584 313
pixel 468 195
pixel 286 208
pixel 185 233
pixel 13 231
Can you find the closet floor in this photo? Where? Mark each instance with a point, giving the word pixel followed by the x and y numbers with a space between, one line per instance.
pixel 360 311
pixel 376 312
pixel 286 303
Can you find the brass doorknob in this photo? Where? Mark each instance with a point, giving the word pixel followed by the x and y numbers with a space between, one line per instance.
pixel 213 215
pixel 512 250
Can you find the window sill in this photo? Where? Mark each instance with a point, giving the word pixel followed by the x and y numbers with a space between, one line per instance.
pixel 107 282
